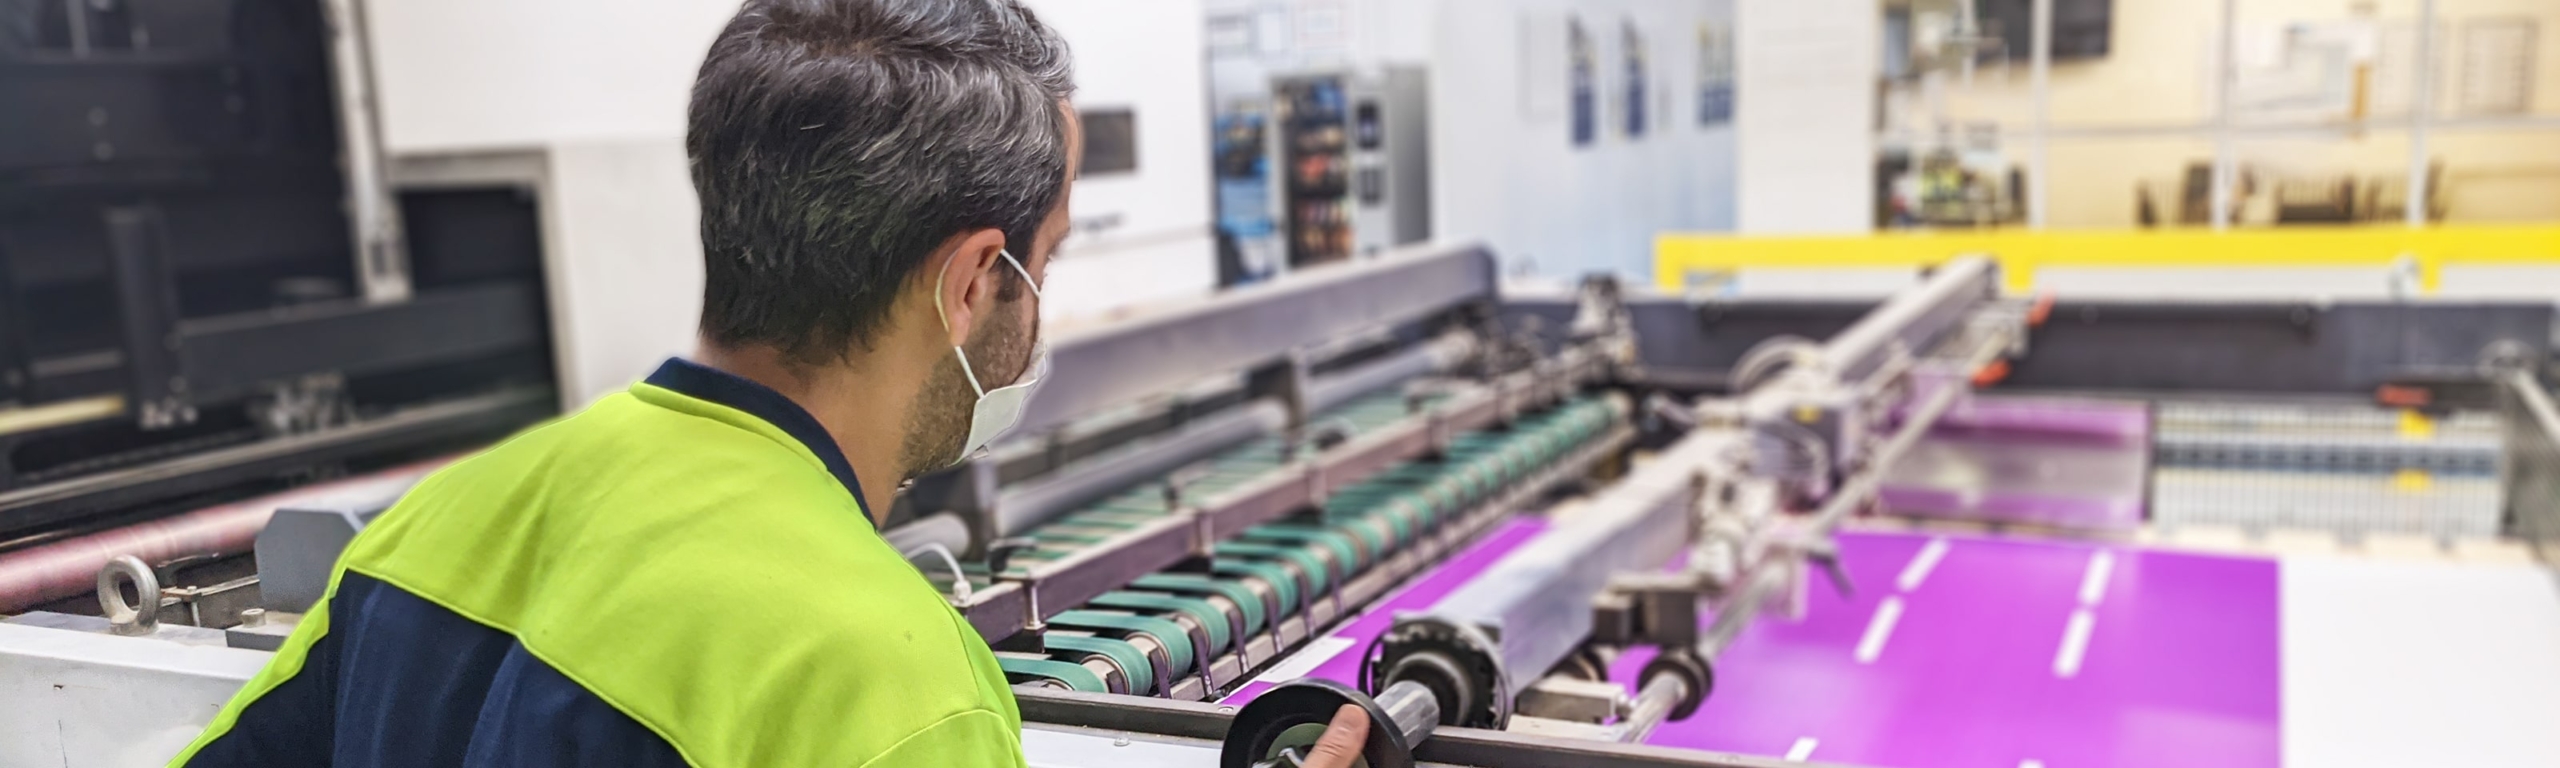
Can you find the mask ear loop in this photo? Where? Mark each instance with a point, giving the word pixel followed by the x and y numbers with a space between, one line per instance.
pixel 959 581
pixel 945 316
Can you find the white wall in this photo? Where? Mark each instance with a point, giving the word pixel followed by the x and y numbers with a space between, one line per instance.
pixel 1505 171
pixel 1143 237
pixel 472 74
pixel 1805 110
pixel 602 85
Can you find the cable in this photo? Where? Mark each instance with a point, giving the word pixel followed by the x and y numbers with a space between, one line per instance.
pixel 959 580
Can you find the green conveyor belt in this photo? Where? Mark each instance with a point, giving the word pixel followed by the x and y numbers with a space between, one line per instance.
pixel 1301 558
pixel 1132 663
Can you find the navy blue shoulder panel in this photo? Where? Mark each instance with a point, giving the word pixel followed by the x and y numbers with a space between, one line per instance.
pixel 703 382
pixel 399 681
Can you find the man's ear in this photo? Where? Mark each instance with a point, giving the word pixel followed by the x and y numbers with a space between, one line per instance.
pixel 974 261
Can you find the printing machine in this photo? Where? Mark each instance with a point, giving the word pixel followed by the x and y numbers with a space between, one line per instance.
pixel 1222 520
pixel 1521 527
pixel 210 289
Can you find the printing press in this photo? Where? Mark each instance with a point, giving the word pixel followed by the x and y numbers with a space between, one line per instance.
pixel 1522 529
pixel 1520 526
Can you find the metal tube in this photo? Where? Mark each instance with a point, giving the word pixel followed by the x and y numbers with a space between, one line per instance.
pixel 2421 108
pixel 61 569
pixel 1415 711
pixel 1865 484
pixel 1653 704
pixel 1910 316
pixel 945 529
pixel 1029 504
pixel 2226 150
pixel 1737 613
pixel 1430 357
pixel 382 268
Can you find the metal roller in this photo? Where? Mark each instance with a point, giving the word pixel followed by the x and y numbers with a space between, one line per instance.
pixel 1279 728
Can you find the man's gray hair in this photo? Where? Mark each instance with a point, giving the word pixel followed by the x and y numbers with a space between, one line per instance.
pixel 836 143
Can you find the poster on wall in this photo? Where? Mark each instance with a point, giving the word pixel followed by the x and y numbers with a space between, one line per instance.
pixel 1632 43
pixel 1585 61
pixel 1715 72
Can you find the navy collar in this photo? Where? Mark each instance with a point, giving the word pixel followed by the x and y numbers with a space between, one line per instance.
pixel 702 382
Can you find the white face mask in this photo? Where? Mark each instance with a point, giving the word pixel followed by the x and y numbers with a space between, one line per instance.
pixel 1000 408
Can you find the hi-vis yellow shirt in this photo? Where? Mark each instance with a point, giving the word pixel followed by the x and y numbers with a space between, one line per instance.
pixel 679 574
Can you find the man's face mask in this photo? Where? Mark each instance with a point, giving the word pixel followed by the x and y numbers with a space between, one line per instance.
pixel 1000 408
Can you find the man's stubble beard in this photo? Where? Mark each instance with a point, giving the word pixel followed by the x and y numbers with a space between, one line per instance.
pixel 939 426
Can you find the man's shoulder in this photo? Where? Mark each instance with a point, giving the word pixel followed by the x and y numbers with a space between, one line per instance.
pixel 764 653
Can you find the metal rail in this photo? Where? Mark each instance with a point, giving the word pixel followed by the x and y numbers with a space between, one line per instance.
pixel 483 415
pixel 1911 320
pixel 2533 460
pixel 1030 504
pixel 1095 370
pixel 1208 723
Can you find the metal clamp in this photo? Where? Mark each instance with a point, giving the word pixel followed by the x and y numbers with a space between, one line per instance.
pixel 125 618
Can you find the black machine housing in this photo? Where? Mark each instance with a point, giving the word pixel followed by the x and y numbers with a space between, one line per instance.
pixel 178 265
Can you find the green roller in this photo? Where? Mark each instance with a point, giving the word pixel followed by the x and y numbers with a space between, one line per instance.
pixel 1274 574
pixel 1177 643
pixel 1020 670
pixel 1319 572
pixel 1196 584
pixel 1111 516
pixel 1132 662
pixel 1346 549
pixel 1363 504
pixel 1380 539
pixel 1212 621
pixel 1079 531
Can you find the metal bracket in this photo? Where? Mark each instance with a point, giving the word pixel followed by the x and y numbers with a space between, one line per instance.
pixel 1659 609
pixel 1286 381
pixel 146 298
pixel 1564 698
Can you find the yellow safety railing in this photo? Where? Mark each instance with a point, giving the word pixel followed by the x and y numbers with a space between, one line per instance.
pixel 1680 256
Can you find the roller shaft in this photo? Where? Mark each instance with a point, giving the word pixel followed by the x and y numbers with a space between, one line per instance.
pixel 1413 708
pixel 1653 704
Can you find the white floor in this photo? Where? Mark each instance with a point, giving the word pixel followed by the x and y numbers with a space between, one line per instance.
pixel 2401 662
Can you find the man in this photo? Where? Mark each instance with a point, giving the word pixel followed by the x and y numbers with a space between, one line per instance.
pixel 689 572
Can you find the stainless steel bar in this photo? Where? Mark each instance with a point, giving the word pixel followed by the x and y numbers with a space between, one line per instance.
pixel 382 263
pixel 1106 366
pixel 1452 746
pixel 1434 356
pixel 1737 613
pixel 1912 317
pixel 1415 711
pixel 1863 486
pixel 1653 704
pixel 1032 503
pixel 2533 461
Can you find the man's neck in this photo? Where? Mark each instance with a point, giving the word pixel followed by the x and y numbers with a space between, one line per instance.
pixel 860 411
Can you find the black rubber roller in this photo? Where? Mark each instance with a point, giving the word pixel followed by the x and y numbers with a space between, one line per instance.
pixel 1294 716
pixel 1697 672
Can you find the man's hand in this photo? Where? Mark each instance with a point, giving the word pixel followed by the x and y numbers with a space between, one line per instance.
pixel 1340 745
